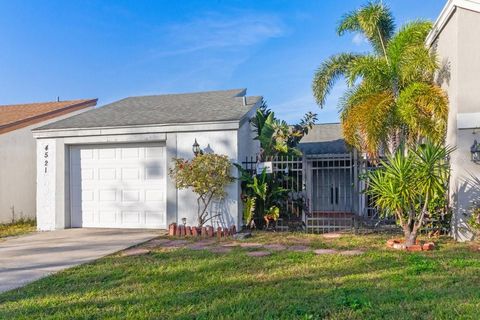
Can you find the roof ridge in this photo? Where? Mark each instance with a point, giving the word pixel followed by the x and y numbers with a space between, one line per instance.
pixel 239 90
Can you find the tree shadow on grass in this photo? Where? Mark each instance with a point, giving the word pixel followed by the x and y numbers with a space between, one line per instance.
pixel 191 284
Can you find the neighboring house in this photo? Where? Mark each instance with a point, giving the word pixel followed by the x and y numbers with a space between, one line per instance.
pixel 108 167
pixel 18 152
pixel 455 38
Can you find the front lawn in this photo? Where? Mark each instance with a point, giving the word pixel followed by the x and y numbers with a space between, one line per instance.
pixel 200 284
pixel 17 228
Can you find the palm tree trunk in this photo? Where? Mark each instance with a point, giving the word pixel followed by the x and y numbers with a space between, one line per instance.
pixel 383 45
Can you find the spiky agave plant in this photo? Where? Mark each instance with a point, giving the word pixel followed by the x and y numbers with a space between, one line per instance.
pixel 392 97
pixel 407 182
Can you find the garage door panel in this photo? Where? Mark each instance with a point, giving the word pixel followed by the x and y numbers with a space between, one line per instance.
pixel 107 174
pixel 130 196
pixel 130 173
pixel 106 153
pixel 87 174
pixel 153 173
pixel 107 195
pixel 154 217
pixel 154 153
pixel 131 217
pixel 130 153
pixel 107 217
pixel 117 186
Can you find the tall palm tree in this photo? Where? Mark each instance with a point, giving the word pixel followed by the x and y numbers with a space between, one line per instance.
pixel 392 97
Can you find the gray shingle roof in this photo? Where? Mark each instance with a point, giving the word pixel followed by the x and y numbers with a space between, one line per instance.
pixel 324 138
pixel 209 106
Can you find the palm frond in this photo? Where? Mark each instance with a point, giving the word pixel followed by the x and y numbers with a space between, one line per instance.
pixel 412 34
pixel 367 121
pixel 329 72
pixel 417 64
pixel 408 56
pixel 374 21
pixel 371 68
pixel 423 108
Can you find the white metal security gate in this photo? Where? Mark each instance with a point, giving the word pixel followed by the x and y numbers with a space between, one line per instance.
pixel 331 185
pixel 118 186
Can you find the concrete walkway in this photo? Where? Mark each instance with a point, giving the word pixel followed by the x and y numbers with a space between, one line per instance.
pixel 28 258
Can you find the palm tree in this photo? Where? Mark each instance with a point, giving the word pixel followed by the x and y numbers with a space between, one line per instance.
pixel 392 97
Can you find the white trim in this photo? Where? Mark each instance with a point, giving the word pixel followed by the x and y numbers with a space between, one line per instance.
pixel 186 127
pixel 468 120
pixel 125 138
pixel 447 11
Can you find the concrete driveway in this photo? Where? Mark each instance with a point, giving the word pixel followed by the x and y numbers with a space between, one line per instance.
pixel 28 258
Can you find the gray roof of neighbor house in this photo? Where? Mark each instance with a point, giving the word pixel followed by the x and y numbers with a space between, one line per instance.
pixel 211 106
pixel 324 138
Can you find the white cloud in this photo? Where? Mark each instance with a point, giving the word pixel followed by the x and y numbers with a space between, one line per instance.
pixel 359 39
pixel 221 31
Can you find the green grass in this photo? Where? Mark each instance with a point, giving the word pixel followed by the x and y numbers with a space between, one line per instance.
pixel 17 228
pixel 185 284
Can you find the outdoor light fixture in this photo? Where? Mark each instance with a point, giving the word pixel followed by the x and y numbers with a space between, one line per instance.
pixel 196 148
pixel 475 151
pixel 184 221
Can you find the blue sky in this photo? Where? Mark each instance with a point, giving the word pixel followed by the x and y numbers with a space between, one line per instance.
pixel 113 49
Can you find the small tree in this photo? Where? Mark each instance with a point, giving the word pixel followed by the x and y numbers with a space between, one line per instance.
pixel 408 183
pixel 207 175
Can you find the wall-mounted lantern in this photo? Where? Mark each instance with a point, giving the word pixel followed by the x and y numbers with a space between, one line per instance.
pixel 196 148
pixel 475 151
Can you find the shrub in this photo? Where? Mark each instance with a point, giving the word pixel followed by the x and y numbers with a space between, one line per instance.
pixel 207 175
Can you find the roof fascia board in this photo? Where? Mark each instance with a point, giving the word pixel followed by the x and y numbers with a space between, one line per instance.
pixel 184 127
pixel 446 13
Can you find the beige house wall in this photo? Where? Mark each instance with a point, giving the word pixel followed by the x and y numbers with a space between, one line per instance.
pixel 458 48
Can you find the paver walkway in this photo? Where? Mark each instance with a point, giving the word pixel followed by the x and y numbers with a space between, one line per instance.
pixel 254 249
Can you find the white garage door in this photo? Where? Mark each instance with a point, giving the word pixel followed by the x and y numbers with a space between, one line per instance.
pixel 118 186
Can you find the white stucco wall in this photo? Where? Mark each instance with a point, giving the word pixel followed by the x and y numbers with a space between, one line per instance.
pixel 458 48
pixel 18 171
pixel 219 142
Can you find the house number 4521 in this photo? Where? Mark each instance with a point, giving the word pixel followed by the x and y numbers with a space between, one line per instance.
pixel 45 156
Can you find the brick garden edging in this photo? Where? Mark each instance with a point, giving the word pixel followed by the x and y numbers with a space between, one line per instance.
pixel 175 230
pixel 400 245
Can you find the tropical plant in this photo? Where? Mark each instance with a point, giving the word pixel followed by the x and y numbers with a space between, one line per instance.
pixel 249 211
pixel 272 214
pixel 261 194
pixel 276 136
pixel 474 220
pixel 408 182
pixel 207 175
pixel 392 98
